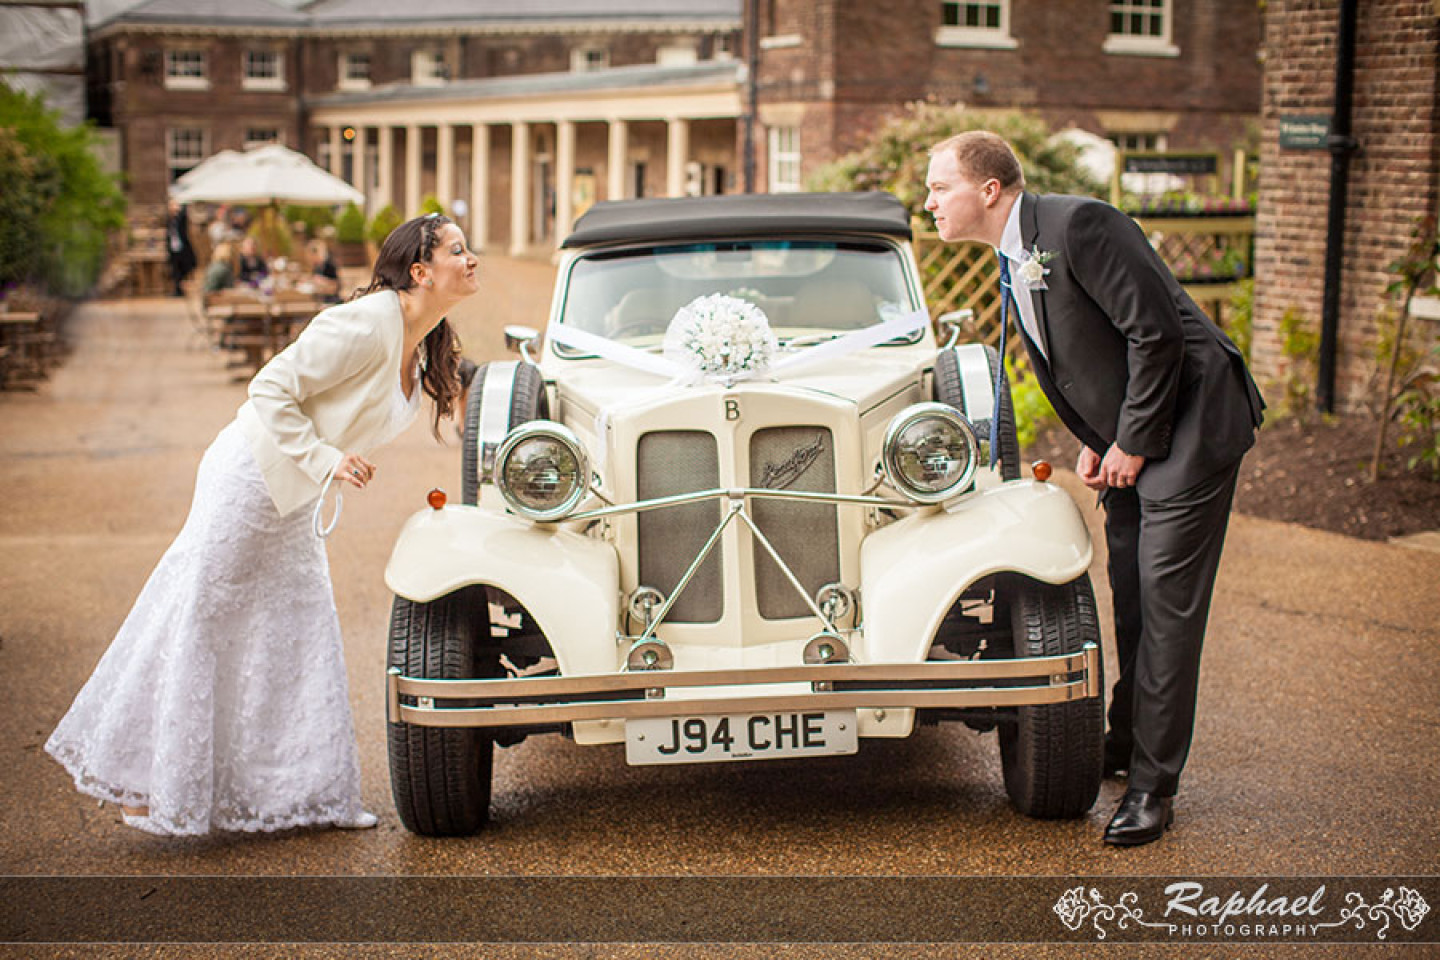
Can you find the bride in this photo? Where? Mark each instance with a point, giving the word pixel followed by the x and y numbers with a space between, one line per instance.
pixel 222 703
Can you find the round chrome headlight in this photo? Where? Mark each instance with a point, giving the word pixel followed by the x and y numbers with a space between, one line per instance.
pixel 930 452
pixel 542 471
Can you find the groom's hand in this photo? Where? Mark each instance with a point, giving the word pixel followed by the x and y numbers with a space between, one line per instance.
pixel 1088 467
pixel 1119 469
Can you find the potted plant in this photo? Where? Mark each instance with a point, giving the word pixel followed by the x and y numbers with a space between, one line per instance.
pixel 386 219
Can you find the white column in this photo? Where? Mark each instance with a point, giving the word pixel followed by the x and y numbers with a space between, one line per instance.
pixel 335 165
pixel 616 167
pixel 564 179
pixel 361 182
pixel 677 151
pixel 519 187
pixel 445 164
pixel 386 148
pixel 412 171
pixel 479 186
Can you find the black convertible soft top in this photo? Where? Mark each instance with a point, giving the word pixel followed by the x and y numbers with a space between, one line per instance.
pixel 735 215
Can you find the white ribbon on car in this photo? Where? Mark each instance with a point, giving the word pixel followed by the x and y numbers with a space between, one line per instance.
pixel 586 342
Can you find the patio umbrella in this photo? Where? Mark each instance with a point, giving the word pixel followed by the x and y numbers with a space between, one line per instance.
pixel 271 174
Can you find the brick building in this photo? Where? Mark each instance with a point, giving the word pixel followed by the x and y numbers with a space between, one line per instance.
pixel 527 112
pixel 1394 175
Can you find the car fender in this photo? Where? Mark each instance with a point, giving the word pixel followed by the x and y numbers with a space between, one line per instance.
pixel 912 571
pixel 569 583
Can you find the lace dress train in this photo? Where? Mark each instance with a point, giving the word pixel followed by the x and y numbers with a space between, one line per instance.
pixel 222 703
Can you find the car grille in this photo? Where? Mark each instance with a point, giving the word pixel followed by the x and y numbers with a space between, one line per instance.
pixel 670 462
pixel 806 535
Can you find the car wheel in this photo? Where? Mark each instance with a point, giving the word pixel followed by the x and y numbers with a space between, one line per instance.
pixel 439 776
pixel 525 400
pixel 950 389
pixel 1051 754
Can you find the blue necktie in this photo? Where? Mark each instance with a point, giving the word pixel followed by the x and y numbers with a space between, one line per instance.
pixel 1006 293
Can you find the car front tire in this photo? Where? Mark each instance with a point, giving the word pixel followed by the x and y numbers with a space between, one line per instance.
pixel 439 776
pixel 1051 755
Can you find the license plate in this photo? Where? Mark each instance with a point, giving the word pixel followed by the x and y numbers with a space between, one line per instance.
pixel 758 736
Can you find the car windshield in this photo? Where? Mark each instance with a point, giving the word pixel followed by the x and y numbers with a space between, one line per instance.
pixel 808 289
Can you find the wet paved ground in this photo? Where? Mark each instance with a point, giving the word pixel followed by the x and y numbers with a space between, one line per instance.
pixel 1316 753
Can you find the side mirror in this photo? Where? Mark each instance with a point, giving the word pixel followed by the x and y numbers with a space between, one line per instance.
pixel 519 338
pixel 952 323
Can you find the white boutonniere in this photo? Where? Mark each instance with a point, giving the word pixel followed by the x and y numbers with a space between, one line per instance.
pixel 1032 270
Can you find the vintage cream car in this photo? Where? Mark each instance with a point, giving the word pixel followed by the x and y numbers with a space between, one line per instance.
pixel 737 504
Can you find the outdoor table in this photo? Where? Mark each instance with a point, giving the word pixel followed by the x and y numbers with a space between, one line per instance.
pixel 149 272
pixel 17 337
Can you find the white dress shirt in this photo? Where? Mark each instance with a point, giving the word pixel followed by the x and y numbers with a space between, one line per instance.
pixel 1013 249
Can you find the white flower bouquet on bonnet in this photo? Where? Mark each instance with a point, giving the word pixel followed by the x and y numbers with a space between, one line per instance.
pixel 721 338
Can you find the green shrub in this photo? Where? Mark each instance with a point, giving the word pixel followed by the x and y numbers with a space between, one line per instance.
pixel 431 204
pixel 1301 347
pixel 386 219
pixel 350 227
pixel 1033 411
pixel 314 218
pixel 57 206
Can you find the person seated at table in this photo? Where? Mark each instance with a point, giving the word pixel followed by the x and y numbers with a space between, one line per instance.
pixel 252 268
pixel 324 274
pixel 219 275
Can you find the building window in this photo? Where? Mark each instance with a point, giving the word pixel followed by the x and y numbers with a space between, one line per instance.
pixel 975 25
pixel 1139 142
pixel 784 159
pixel 259 136
pixel 186 70
pixel 1141 27
pixel 723 48
pixel 678 55
pixel 184 148
pixel 589 59
pixel 262 70
pixel 354 71
pixel 428 69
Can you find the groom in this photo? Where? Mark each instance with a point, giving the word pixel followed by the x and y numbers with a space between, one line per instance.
pixel 1164 407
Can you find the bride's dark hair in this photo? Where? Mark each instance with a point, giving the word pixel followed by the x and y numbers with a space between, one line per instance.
pixel 410 243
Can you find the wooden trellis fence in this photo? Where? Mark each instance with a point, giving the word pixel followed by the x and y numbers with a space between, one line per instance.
pixel 1209 255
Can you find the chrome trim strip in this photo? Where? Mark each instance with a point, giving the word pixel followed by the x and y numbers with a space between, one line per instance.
pixel 494 414
pixel 740 493
pixel 507 707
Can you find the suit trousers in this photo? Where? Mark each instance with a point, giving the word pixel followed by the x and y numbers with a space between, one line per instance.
pixel 1164 555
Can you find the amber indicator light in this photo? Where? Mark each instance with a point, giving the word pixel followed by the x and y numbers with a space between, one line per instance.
pixel 436 498
pixel 1041 469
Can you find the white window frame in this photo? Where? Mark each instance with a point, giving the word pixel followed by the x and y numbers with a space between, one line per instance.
pixel 177 78
pixel 677 55
pixel 345 76
pixel 427 68
pixel 783 160
pixel 589 59
pixel 267 135
pixel 250 59
pixel 185 147
pixel 991 38
pixel 722 48
pixel 1141 45
pixel 1124 141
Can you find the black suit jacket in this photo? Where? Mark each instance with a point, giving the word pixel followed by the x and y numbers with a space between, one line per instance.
pixel 1129 358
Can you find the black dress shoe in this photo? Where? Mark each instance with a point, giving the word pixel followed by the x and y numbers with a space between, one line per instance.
pixel 1140 818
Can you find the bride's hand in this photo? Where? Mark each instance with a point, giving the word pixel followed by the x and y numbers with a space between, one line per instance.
pixel 355 470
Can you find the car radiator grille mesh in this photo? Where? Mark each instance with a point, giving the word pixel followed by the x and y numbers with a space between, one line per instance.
pixel 671 462
pixel 806 535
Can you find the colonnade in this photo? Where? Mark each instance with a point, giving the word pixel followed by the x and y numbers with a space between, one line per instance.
pixel 353 140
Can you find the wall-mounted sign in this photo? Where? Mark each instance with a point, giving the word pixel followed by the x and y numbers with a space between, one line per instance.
pixel 1304 131
pixel 1177 164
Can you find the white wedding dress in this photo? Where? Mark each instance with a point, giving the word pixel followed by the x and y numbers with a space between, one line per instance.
pixel 222 703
